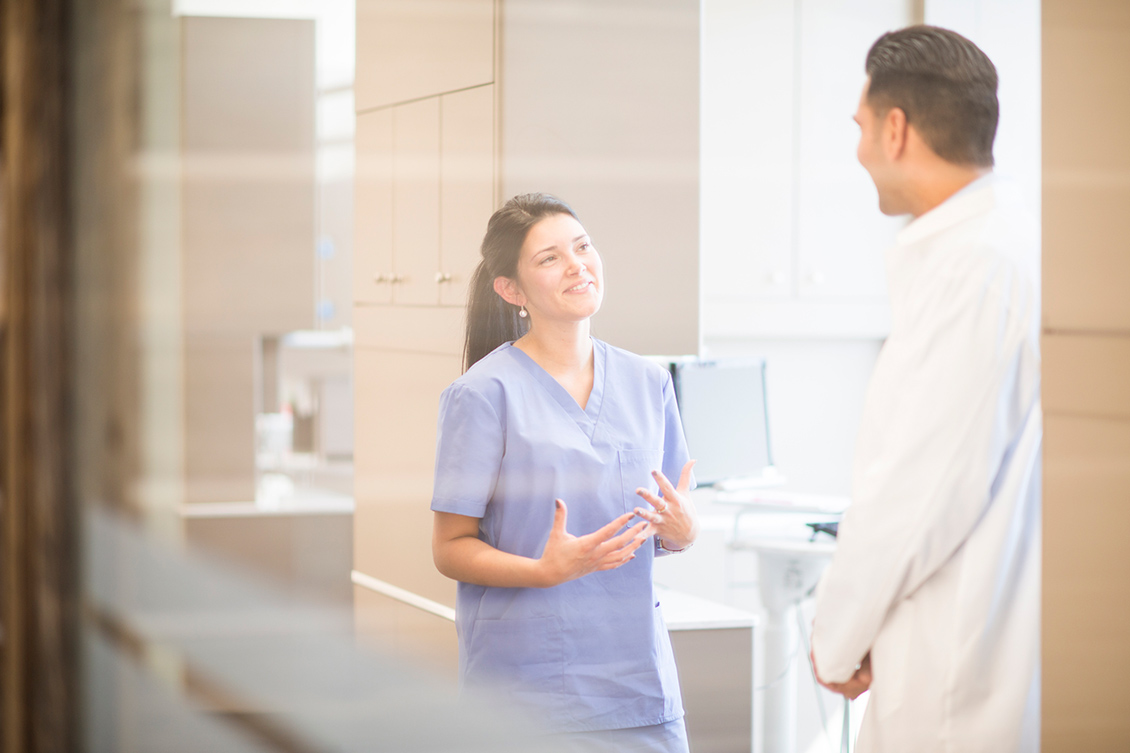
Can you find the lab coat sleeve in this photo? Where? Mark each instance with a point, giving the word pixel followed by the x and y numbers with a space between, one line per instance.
pixel 469 446
pixel 948 396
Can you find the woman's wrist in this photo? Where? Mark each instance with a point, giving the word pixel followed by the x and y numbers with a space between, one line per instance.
pixel 671 548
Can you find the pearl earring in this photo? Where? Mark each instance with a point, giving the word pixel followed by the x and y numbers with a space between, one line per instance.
pixel 522 312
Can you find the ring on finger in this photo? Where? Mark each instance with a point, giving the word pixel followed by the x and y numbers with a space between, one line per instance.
pixel 661 510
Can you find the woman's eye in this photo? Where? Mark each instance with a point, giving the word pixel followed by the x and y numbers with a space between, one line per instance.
pixel 584 247
pixel 547 259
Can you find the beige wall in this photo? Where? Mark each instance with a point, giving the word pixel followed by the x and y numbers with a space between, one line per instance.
pixel 248 229
pixel 1086 392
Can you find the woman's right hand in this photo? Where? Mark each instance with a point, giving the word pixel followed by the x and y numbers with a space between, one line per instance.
pixel 567 557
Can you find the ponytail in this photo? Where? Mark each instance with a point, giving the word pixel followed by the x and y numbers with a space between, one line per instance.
pixel 492 321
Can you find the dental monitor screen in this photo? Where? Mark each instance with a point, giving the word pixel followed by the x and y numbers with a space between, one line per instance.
pixel 722 404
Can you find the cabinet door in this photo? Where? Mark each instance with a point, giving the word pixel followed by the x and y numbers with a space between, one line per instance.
pixel 415 202
pixel 466 186
pixel 372 208
pixel 408 50
pixel 748 155
pixel 841 233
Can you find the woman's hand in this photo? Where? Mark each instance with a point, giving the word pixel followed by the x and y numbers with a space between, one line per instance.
pixel 567 557
pixel 673 519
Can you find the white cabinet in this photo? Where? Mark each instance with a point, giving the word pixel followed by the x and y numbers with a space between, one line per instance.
pixel 748 151
pixel 422 48
pixel 792 239
pixel 841 233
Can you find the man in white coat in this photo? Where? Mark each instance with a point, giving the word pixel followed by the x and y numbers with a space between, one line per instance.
pixel 933 597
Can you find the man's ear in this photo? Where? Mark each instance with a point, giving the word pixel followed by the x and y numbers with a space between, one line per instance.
pixel 895 133
pixel 508 291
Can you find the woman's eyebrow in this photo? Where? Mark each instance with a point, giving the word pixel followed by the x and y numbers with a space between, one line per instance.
pixel 580 237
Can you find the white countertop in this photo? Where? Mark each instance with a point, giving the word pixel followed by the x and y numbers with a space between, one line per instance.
pixel 319 503
pixel 682 611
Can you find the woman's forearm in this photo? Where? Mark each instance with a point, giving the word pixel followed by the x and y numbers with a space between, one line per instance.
pixel 471 560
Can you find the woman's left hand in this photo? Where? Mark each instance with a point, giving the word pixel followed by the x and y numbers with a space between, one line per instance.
pixel 673 518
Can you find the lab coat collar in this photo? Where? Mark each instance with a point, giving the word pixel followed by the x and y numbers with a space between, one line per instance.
pixel 976 198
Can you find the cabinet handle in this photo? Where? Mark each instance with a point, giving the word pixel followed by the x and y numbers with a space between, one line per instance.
pixel 443 277
pixel 397 279
pixel 381 278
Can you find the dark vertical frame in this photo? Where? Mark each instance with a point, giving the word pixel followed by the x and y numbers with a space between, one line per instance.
pixel 39 550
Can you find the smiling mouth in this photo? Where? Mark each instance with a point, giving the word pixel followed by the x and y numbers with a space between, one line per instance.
pixel 579 287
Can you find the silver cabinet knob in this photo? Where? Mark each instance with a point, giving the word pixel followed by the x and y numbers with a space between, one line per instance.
pixel 397 279
pixel 381 278
pixel 443 277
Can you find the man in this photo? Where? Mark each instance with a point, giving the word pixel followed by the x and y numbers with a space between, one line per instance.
pixel 932 599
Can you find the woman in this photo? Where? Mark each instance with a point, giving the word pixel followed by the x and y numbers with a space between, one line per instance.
pixel 546 445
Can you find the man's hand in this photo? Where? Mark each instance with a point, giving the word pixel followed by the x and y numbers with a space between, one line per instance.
pixel 856 686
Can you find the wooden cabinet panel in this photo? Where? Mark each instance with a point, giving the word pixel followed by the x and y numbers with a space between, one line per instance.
pixel 1086 375
pixel 415 202
pixel 397 406
pixel 372 208
pixel 248 177
pixel 618 138
pixel 1085 616
pixel 1085 223
pixel 405 633
pixel 411 329
pixel 1086 268
pixel 466 186
pixel 219 418
pixel 408 50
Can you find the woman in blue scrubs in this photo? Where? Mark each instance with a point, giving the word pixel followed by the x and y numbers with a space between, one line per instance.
pixel 547 446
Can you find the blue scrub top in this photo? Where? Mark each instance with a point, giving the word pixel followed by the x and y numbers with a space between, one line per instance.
pixel 592 653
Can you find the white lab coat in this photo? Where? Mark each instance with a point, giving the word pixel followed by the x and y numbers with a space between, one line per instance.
pixel 937 567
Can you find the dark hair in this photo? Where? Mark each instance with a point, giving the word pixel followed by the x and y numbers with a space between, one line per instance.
pixel 946 86
pixel 492 321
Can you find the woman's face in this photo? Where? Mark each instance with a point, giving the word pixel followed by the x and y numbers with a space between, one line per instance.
pixel 560 276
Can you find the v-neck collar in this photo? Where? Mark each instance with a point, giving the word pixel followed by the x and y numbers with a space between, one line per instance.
pixel 587 417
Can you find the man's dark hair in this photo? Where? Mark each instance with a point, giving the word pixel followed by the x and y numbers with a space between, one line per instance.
pixel 946 86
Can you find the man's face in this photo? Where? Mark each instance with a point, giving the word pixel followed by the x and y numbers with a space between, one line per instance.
pixel 871 153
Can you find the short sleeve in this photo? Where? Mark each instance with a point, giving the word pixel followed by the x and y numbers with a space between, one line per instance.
pixel 469 447
pixel 675 454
